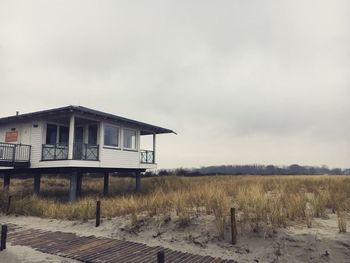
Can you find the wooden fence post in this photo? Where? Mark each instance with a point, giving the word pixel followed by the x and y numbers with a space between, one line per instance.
pixel 3 237
pixel 98 213
pixel 8 204
pixel 233 226
pixel 160 257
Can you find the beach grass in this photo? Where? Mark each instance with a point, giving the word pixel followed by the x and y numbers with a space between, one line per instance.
pixel 260 201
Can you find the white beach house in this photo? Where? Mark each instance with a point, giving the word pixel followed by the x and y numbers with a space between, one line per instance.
pixel 74 140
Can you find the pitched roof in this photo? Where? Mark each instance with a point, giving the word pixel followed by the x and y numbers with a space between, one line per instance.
pixel 144 127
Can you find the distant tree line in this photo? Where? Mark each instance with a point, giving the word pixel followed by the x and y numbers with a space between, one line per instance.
pixel 293 169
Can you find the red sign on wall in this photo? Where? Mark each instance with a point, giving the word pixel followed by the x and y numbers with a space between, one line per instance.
pixel 11 136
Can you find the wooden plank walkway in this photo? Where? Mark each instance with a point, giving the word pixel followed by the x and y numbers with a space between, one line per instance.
pixel 98 249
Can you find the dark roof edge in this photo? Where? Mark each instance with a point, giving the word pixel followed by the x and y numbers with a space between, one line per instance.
pixel 81 109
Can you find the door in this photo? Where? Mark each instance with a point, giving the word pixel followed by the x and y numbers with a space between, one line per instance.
pixel 78 143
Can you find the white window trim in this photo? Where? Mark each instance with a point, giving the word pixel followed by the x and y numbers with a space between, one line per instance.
pixel 106 125
pixel 136 140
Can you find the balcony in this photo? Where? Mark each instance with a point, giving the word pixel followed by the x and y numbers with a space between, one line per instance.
pixel 14 155
pixel 147 157
pixel 81 151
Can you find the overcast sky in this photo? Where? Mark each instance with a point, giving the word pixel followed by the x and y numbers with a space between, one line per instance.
pixel 242 82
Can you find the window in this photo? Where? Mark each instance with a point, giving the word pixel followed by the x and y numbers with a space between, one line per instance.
pixel 92 137
pixel 52 137
pixel 64 135
pixel 111 136
pixel 129 139
pixel 51 134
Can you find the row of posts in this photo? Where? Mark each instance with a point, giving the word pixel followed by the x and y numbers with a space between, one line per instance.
pixel 75 187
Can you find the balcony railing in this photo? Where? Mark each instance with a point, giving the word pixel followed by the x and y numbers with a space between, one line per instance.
pixel 81 151
pixel 87 152
pixel 54 152
pixel 147 156
pixel 14 154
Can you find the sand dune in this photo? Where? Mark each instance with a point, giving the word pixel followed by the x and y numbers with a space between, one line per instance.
pixel 296 243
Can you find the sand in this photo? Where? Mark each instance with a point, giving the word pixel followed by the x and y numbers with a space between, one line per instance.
pixel 20 254
pixel 296 243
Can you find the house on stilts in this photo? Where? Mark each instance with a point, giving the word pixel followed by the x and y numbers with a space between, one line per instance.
pixel 74 140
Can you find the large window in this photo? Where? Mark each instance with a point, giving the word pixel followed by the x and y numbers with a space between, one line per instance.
pixel 57 134
pixel 130 139
pixel 111 136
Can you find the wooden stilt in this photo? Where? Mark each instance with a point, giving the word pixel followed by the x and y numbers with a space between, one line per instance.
pixel 8 204
pixel 37 182
pixel 7 179
pixel 138 182
pixel 105 184
pixel 79 184
pixel 73 187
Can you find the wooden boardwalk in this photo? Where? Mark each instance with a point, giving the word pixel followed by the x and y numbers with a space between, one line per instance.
pixel 98 249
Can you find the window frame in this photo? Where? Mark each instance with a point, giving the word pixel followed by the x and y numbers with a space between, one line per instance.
pixel 58 125
pixel 136 139
pixel 118 139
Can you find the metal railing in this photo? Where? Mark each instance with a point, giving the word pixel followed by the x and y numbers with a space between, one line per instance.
pixel 14 153
pixel 54 152
pixel 147 156
pixel 83 151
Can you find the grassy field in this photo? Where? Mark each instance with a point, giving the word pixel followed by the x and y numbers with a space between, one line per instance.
pixel 260 201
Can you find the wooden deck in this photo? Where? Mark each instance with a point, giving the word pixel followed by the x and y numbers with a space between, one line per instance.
pixel 98 249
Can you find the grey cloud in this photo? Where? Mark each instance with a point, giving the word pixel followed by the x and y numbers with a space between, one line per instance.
pixel 220 73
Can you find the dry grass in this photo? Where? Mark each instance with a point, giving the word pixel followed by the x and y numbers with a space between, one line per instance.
pixel 341 221
pixel 260 201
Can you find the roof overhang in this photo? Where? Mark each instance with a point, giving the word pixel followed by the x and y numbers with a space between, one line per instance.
pixel 81 111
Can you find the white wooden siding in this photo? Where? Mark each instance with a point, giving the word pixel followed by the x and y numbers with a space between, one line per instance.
pixel 69 163
pixel 123 159
pixel 24 131
pixel 37 136
pixel 34 134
